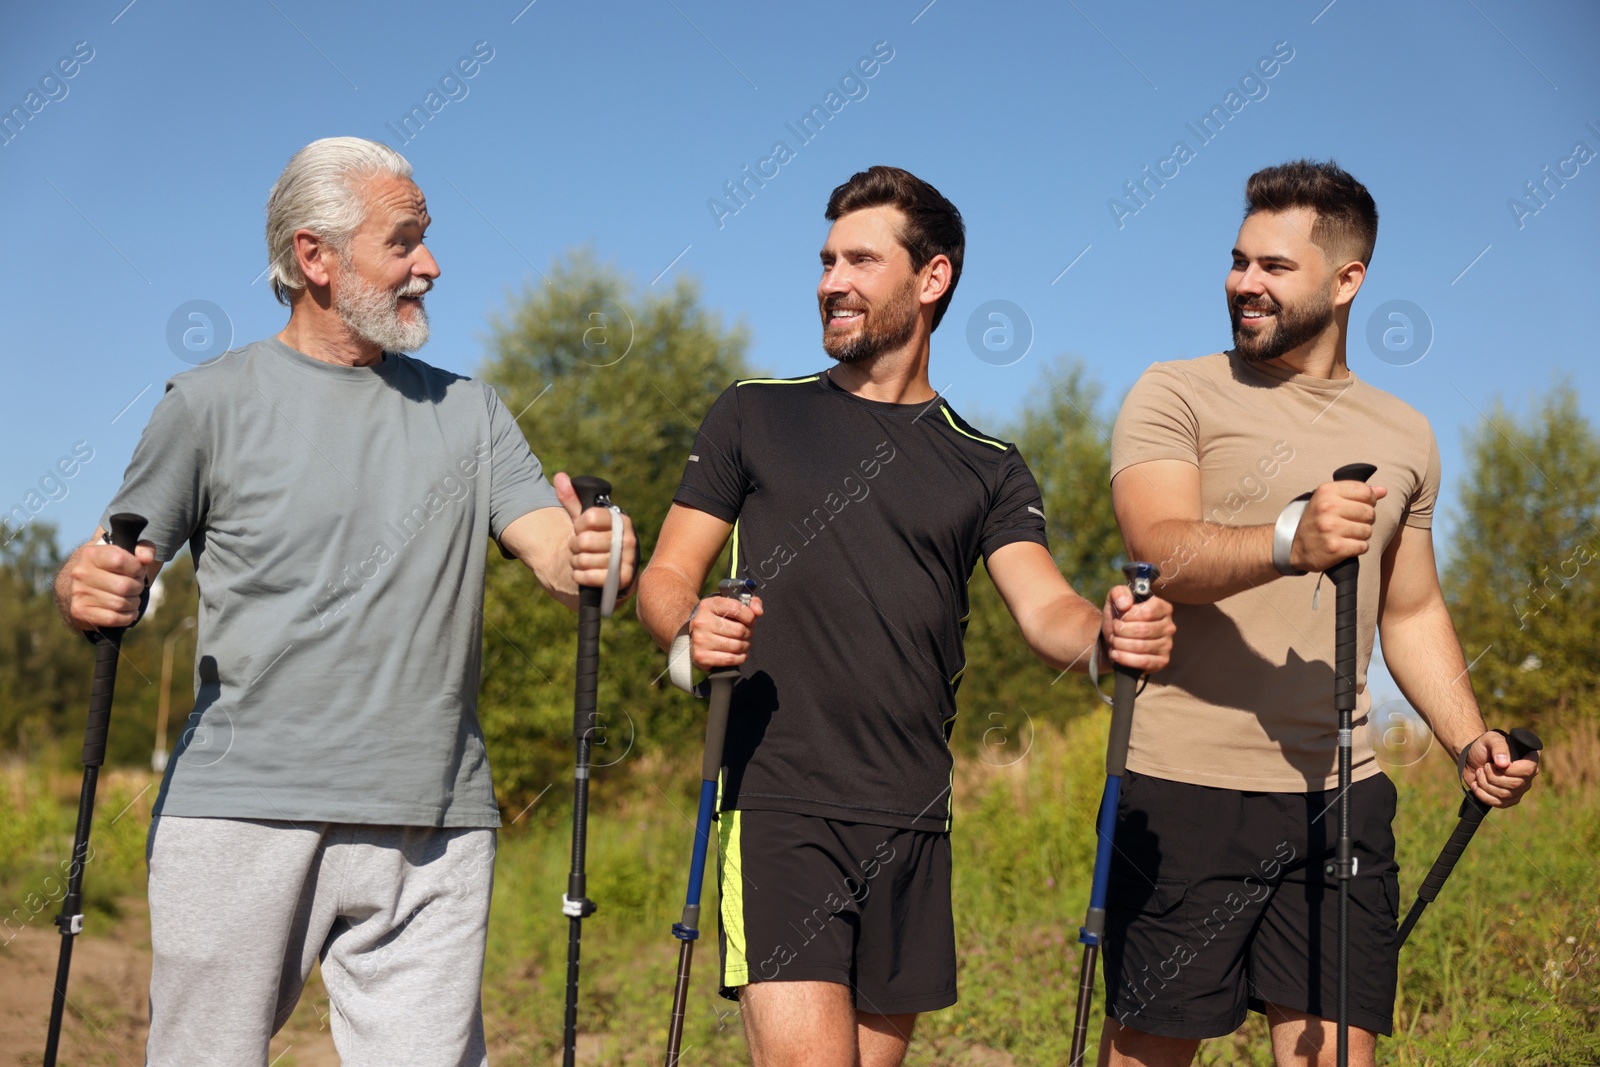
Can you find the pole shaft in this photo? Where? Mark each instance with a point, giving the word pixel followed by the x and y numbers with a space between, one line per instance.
pixel 1080 1024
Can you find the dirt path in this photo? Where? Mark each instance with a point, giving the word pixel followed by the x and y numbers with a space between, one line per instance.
pixel 107 1014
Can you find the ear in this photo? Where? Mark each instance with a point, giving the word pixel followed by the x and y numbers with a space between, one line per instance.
pixel 1347 282
pixel 936 277
pixel 314 256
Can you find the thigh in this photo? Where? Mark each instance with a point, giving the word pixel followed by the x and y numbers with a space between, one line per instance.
pixel 905 959
pixel 232 902
pixel 1294 961
pixel 1192 871
pixel 790 906
pixel 1303 1040
pixel 404 962
pixel 789 1024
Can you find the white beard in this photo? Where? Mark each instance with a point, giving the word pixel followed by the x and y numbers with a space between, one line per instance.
pixel 373 314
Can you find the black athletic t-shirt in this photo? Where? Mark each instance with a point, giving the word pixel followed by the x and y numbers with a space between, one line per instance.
pixel 861 523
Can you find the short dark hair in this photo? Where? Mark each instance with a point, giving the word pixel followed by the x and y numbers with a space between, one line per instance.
pixel 1347 217
pixel 933 225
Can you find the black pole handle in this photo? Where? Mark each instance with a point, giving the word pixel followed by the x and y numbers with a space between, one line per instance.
pixel 1350 472
pixel 1345 615
pixel 1141 581
pixel 591 491
pixel 740 589
pixel 125 530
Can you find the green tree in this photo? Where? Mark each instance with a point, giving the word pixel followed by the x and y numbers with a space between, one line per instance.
pixel 1523 579
pixel 38 682
pixel 1062 434
pixel 610 382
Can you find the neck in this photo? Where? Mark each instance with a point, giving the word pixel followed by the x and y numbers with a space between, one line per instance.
pixel 896 376
pixel 316 330
pixel 1321 357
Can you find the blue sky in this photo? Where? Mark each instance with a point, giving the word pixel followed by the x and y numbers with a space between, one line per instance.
pixel 136 185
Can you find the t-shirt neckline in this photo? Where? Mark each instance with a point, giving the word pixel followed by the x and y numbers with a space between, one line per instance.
pixel 294 357
pixel 883 406
pixel 1282 374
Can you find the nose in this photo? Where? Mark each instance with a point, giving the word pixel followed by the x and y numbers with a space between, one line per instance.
pixel 835 279
pixel 426 266
pixel 1249 281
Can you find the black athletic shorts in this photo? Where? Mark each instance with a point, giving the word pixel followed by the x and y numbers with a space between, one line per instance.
pixel 1218 903
pixel 809 899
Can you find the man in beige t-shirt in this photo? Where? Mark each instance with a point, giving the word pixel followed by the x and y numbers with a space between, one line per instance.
pixel 1218 898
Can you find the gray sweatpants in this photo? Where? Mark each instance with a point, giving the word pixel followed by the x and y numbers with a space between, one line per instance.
pixel 241 909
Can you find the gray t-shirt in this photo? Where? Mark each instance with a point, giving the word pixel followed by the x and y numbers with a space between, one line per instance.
pixel 339 519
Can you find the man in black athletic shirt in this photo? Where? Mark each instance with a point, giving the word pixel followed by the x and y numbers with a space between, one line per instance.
pixel 859 502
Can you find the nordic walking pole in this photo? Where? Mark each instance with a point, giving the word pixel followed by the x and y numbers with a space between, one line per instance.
pixel 1523 744
pixel 1141 579
pixel 575 904
pixel 125 531
pixel 1345 575
pixel 687 930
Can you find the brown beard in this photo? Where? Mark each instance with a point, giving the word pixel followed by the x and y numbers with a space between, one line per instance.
pixel 1292 326
pixel 883 327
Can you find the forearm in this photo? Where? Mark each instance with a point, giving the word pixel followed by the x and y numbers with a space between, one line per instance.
pixel 1424 657
pixel 1063 633
pixel 1204 562
pixel 666 597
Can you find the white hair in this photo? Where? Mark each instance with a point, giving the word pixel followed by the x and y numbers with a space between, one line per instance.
pixel 320 191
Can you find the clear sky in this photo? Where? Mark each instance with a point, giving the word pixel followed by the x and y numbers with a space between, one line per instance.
pixel 135 184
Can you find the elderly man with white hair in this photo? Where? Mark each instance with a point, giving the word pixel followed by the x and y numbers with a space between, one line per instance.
pixel 330 795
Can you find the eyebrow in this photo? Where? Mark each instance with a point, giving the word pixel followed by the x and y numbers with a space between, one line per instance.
pixel 860 251
pixel 1269 258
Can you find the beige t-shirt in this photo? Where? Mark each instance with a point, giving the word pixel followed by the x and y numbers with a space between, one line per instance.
pixel 1247 701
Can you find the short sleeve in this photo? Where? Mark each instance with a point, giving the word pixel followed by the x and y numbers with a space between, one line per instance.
pixel 714 479
pixel 1157 421
pixel 1419 509
pixel 1018 510
pixel 517 483
pixel 166 480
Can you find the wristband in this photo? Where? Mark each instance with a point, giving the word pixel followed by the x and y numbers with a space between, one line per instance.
pixel 1283 532
pixel 1094 666
pixel 680 658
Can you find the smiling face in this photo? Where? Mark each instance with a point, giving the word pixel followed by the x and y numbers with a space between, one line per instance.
pixel 869 295
pixel 1281 287
pixel 381 276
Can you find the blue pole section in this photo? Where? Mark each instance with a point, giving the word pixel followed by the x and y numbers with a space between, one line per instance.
pixel 1094 926
pixel 697 865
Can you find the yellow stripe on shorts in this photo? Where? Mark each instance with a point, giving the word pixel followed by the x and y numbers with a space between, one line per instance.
pixel 736 965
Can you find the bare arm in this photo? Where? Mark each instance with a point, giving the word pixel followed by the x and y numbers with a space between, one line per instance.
pixel 1062 627
pixel 1159 510
pixel 99 585
pixel 566 547
pixel 1424 656
pixel 689 544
